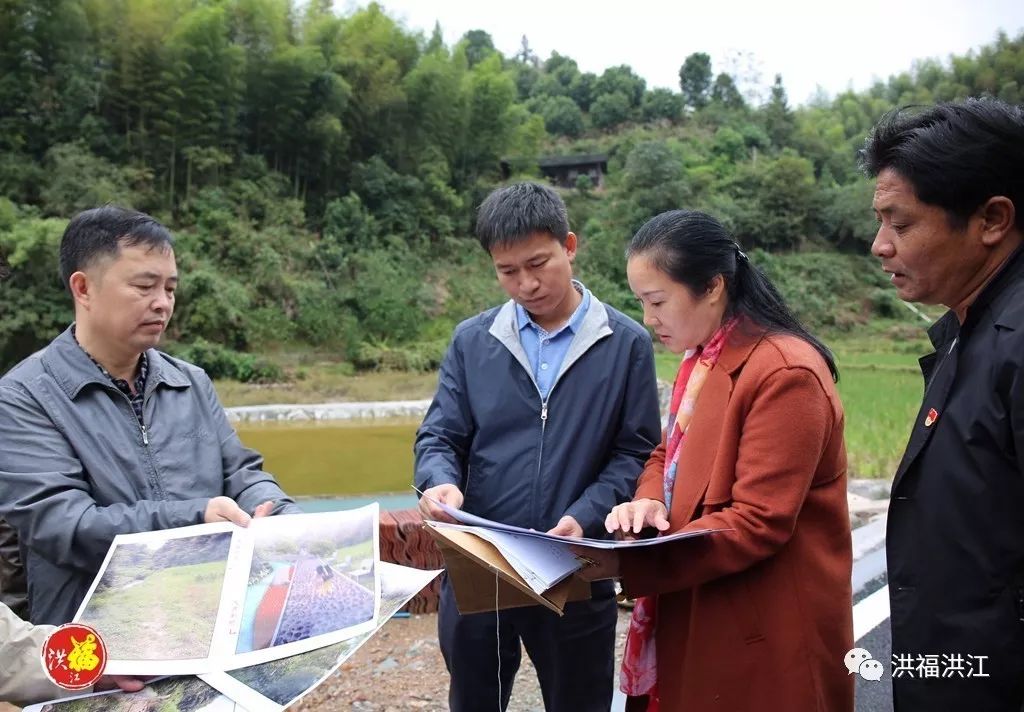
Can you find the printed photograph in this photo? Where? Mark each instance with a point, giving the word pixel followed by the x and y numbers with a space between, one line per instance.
pixel 159 600
pixel 182 694
pixel 283 680
pixel 308 579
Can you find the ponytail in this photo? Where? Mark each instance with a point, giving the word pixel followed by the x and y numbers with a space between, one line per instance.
pixel 753 295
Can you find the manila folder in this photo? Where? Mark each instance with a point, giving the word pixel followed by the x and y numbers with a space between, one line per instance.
pixel 475 566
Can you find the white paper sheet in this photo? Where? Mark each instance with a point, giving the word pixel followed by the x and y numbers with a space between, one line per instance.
pixel 475 521
pixel 541 562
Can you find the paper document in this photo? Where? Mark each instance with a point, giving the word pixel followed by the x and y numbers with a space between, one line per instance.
pixel 475 521
pixel 541 563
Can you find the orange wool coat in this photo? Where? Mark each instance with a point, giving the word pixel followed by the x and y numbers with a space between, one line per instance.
pixel 758 617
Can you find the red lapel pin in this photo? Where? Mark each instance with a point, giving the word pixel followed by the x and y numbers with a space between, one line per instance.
pixel 932 416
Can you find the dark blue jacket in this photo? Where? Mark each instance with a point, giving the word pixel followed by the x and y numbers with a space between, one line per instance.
pixel 525 461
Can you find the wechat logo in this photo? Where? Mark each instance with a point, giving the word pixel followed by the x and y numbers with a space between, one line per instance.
pixel 859 661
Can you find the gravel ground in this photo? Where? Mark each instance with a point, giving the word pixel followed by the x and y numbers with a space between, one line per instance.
pixel 401 668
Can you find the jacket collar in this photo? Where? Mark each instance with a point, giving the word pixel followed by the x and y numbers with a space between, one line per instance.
pixel 1010 273
pixel 948 327
pixel 523 318
pixel 73 370
pixel 740 345
pixel 593 327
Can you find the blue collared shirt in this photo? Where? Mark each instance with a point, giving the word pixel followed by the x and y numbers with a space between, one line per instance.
pixel 546 350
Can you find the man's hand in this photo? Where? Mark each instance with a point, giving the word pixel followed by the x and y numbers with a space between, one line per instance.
pixel 567 526
pixel 629 518
pixel 120 682
pixel 448 494
pixel 225 509
pixel 600 563
pixel 263 510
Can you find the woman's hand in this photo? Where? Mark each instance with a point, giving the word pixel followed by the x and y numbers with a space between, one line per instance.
pixel 629 518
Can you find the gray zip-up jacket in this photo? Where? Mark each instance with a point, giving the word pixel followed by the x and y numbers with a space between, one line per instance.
pixel 76 468
pixel 527 461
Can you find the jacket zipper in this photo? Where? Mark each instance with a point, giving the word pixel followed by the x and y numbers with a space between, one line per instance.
pixel 145 441
pixel 543 426
pixel 540 449
pixel 142 425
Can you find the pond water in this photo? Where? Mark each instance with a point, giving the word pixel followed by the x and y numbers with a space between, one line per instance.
pixel 335 465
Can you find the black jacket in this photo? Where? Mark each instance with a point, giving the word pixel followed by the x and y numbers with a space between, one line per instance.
pixel 955 541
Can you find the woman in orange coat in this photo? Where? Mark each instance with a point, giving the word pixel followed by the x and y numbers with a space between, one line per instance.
pixel 758 616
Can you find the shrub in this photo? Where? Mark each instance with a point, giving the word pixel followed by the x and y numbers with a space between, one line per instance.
pixel 221 362
pixel 422 356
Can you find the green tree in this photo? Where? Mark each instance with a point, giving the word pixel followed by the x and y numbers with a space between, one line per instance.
pixel 490 123
pixel 725 93
pixel 654 177
pixel 372 54
pixel 478 46
pixel 778 117
pixel 47 73
pixel 77 180
pixel 561 116
pixel 695 80
pixel 775 202
pixel 33 304
pixel 662 104
pixel 610 110
pixel 622 80
pixel 206 69
pixel 582 89
pixel 846 218
pixel 435 91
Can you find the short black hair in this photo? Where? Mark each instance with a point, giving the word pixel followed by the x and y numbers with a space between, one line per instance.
pixel 957 155
pixel 514 213
pixel 102 232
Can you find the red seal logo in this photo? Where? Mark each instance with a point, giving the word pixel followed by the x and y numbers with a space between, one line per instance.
pixel 74 656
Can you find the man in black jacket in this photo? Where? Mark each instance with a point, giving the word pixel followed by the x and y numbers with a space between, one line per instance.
pixel 950 202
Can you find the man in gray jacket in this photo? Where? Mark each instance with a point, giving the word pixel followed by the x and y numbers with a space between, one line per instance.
pixel 545 413
pixel 102 434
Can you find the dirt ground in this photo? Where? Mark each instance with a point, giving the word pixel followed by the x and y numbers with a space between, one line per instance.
pixel 400 668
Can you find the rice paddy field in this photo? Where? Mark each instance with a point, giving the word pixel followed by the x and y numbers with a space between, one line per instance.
pixel 880 385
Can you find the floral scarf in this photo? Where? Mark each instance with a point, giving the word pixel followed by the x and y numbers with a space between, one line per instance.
pixel 639 664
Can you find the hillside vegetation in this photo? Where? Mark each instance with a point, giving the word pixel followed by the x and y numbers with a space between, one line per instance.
pixel 320 171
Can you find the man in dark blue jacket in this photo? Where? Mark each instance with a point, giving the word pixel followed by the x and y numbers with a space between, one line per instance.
pixel 545 412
